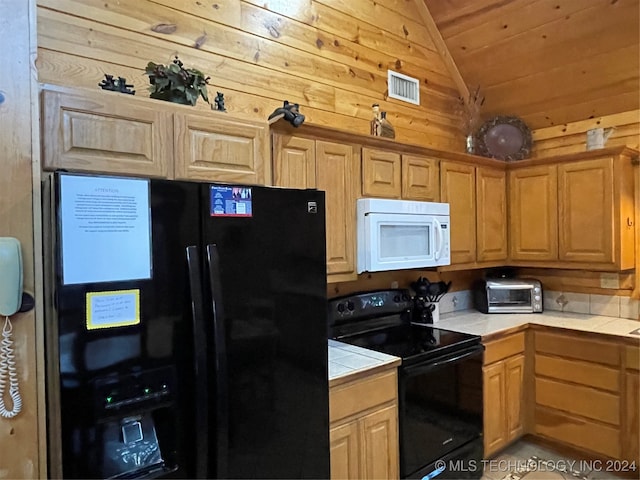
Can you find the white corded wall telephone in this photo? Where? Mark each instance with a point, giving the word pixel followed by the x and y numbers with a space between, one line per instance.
pixel 10 302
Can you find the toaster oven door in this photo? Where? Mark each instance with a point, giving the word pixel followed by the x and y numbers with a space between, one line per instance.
pixel 510 299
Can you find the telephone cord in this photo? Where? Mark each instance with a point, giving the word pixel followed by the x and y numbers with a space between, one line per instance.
pixel 8 367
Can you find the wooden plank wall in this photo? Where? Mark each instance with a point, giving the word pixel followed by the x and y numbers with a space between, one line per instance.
pixel 572 137
pixel 19 440
pixel 460 280
pixel 581 281
pixel 329 56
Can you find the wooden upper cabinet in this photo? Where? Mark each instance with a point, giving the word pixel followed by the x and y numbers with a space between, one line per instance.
pixel 420 178
pixel 218 148
pixel 491 218
pixel 533 215
pixel 294 162
pixel 381 173
pixel 576 213
pixel 106 132
pixel 458 188
pixel 585 207
pixel 337 173
pixel 302 162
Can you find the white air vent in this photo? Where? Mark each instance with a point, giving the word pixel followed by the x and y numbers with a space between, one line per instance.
pixel 403 87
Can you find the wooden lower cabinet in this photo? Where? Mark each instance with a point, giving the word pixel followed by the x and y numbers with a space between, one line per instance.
pixel 579 391
pixel 631 421
pixel 364 428
pixel 503 392
pixel 345 450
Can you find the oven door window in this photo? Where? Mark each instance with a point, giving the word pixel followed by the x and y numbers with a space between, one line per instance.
pixel 440 409
pixel 509 297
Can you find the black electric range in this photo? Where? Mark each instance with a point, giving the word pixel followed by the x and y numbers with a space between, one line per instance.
pixel 381 321
pixel 439 380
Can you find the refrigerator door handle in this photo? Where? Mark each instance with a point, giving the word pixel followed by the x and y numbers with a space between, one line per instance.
pixel 200 362
pixel 219 340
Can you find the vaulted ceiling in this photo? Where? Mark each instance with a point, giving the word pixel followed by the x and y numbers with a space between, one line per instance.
pixel 549 62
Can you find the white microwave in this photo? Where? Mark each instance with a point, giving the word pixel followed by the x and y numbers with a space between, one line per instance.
pixel 400 234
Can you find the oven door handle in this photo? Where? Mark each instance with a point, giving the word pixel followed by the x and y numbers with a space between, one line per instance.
pixel 425 367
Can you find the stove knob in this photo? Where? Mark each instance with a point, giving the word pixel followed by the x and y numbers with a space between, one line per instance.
pixel 350 306
pixel 405 297
pixel 341 307
pixel 396 298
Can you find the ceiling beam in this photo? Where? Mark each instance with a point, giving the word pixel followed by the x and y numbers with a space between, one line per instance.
pixel 442 49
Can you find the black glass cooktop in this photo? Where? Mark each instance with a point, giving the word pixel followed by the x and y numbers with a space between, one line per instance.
pixel 412 342
pixel 380 321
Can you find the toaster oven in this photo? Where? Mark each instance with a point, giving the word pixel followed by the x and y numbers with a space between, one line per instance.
pixel 508 295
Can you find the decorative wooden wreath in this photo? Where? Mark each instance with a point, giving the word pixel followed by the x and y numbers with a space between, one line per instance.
pixel 504 138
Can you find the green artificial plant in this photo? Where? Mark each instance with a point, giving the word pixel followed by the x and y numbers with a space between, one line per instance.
pixel 174 83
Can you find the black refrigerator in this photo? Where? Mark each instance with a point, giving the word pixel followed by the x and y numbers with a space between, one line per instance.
pixel 186 329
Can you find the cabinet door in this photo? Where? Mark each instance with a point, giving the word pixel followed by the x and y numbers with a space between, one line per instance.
pixel 491 219
pixel 216 148
pixel 495 427
pixel 514 382
pixel 337 174
pixel 345 451
pixel 458 188
pixel 106 132
pixel 420 177
pixel 631 425
pixel 380 173
pixel 585 206
pixel 533 214
pixel 294 162
pixel 380 444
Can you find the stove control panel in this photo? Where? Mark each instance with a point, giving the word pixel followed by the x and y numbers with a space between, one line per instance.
pixel 369 304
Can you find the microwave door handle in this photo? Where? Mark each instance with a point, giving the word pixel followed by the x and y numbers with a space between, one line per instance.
pixel 440 242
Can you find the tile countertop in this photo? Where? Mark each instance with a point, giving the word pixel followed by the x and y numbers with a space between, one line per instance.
pixel 476 323
pixel 349 360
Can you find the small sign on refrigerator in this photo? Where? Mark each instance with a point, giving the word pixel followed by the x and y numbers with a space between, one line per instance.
pixel 113 309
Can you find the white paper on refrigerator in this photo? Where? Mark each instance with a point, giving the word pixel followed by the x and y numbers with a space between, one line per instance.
pixel 105 229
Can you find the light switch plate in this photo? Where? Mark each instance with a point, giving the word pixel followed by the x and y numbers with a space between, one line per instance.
pixel 609 280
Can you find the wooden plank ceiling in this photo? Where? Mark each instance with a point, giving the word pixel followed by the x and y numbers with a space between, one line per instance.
pixel 550 62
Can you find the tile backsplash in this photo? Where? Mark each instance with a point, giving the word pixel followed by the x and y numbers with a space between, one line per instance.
pixel 454 301
pixel 607 305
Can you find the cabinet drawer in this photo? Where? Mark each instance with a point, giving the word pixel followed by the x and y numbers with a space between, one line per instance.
pixel 590 374
pixel 351 398
pixel 632 357
pixel 579 400
pixel 570 346
pixel 503 348
pixel 578 432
